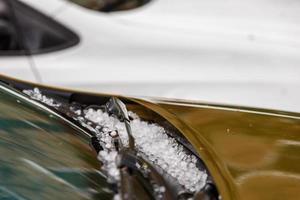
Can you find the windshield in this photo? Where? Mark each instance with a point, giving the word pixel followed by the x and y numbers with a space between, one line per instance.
pixel 110 5
pixel 43 158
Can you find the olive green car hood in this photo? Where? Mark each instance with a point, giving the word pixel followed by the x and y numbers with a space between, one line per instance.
pixel 251 153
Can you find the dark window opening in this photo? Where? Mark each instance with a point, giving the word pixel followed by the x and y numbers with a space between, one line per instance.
pixel 110 5
pixel 24 30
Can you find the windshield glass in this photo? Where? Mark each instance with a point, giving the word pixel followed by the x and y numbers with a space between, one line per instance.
pixel 110 5
pixel 43 158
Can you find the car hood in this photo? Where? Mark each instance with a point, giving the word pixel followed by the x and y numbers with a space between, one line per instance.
pixel 251 153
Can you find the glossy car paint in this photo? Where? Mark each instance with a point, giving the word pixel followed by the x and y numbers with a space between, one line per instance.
pixel 237 52
pixel 250 153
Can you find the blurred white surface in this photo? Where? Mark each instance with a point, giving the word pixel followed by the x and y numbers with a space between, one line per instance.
pixel 237 52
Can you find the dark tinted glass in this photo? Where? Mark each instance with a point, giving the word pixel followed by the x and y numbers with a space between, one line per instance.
pixel 24 30
pixel 41 157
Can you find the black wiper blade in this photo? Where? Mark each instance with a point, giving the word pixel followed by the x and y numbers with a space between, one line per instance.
pixel 139 177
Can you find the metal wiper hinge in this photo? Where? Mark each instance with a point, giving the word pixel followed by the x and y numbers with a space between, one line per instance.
pixel 116 107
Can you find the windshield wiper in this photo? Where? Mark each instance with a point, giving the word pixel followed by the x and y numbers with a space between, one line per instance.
pixel 116 107
pixel 135 175
pixel 139 179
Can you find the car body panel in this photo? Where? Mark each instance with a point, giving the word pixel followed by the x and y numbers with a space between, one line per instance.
pixel 251 153
pixel 225 52
pixel 161 52
pixel 17 66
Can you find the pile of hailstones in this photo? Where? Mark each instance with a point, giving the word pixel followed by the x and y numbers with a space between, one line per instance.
pixel 150 139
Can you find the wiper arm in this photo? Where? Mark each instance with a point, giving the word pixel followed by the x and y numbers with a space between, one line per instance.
pixel 136 173
pixel 116 107
pixel 141 180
